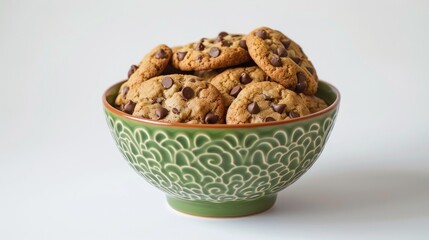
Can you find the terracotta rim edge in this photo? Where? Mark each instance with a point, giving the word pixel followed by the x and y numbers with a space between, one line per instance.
pixel 115 111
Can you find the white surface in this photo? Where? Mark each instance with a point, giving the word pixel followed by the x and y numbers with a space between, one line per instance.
pixel 61 176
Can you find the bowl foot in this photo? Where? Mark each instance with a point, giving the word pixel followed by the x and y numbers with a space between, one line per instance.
pixel 224 209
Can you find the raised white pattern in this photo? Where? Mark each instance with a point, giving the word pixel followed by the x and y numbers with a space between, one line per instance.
pixel 197 166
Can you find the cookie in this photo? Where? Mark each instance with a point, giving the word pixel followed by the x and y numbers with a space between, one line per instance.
pixel 282 59
pixel 150 66
pixel 223 51
pixel 313 103
pixel 179 98
pixel 232 81
pixel 265 102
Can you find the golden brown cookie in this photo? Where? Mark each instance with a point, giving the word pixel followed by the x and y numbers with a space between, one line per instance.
pixel 282 59
pixel 233 80
pixel 313 103
pixel 265 102
pixel 223 51
pixel 150 66
pixel 178 98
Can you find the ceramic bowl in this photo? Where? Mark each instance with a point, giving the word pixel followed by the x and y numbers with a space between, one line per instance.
pixel 222 170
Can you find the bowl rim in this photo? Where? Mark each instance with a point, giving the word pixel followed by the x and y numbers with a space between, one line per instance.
pixel 115 111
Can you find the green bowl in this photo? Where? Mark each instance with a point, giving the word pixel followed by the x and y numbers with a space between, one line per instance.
pixel 222 170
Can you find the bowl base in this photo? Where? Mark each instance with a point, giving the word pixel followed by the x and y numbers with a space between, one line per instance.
pixel 224 209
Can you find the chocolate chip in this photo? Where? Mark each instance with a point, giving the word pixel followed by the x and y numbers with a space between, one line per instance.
pixel 160 54
pixel 235 91
pixel 167 82
pixel 187 93
pixel 262 34
pixel 245 78
pixel 200 58
pixel 296 60
pixel 226 43
pixel 279 107
pixel 222 34
pixel 253 108
pixel 218 39
pixel 133 68
pixel 192 80
pixel 302 82
pixel 301 77
pixel 311 70
pixel 199 46
pixel 181 55
pixel 161 112
pixel 214 52
pixel 300 87
pixel 175 111
pixel 211 118
pixel 282 52
pixel 125 91
pixel 293 114
pixel 129 107
pixel 275 61
pixel 286 43
pixel 243 44
pixel 269 119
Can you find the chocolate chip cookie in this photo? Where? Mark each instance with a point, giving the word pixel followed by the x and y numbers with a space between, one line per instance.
pixel 313 103
pixel 223 51
pixel 265 102
pixel 150 66
pixel 179 98
pixel 282 59
pixel 232 81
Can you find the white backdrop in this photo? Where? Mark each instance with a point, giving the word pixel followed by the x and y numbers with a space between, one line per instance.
pixel 61 176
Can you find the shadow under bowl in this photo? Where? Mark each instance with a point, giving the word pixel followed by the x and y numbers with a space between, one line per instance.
pixel 222 170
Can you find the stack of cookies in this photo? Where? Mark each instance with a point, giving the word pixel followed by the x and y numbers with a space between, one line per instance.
pixel 263 76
